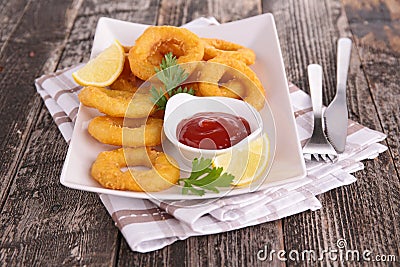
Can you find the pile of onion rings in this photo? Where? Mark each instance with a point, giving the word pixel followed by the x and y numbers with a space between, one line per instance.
pixel 131 119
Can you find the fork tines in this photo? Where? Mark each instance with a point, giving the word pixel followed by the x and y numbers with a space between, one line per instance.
pixel 318 146
pixel 325 157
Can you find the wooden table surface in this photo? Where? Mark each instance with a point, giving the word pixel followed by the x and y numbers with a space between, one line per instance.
pixel 47 224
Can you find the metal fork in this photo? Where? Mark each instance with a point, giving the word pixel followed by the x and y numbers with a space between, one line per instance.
pixel 318 146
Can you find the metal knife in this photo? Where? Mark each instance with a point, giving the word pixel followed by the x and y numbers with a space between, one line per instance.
pixel 336 113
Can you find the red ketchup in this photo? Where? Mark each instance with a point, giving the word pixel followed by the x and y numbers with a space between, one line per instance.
pixel 212 130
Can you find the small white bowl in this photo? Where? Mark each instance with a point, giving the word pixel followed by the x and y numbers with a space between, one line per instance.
pixel 183 106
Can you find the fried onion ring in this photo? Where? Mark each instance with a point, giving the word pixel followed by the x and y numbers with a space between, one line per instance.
pixel 217 48
pixel 114 131
pixel 156 41
pixel 215 69
pixel 107 170
pixel 233 89
pixel 126 81
pixel 117 103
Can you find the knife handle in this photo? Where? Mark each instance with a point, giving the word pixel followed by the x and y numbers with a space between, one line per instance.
pixel 315 81
pixel 343 61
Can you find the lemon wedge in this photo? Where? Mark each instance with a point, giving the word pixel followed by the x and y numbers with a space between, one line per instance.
pixel 104 69
pixel 246 164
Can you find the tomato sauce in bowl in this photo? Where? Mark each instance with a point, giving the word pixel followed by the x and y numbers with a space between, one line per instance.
pixel 212 130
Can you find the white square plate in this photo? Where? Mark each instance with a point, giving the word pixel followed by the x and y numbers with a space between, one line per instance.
pixel 258 33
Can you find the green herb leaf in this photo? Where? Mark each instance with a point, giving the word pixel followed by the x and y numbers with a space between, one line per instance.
pixel 172 76
pixel 158 97
pixel 200 164
pixel 169 60
pixel 205 177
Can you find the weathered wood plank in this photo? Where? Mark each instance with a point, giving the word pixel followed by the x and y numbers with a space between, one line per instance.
pixel 235 248
pixel 46 223
pixel 24 55
pixel 10 14
pixel 22 60
pixel 181 12
pixel 376 29
pixel 308 32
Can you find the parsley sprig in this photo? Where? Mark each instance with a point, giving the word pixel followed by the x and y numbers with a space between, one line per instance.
pixel 205 177
pixel 172 76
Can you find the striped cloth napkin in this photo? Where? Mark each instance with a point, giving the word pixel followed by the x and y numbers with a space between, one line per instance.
pixel 149 225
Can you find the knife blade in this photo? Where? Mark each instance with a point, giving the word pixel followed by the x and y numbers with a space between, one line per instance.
pixel 336 115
